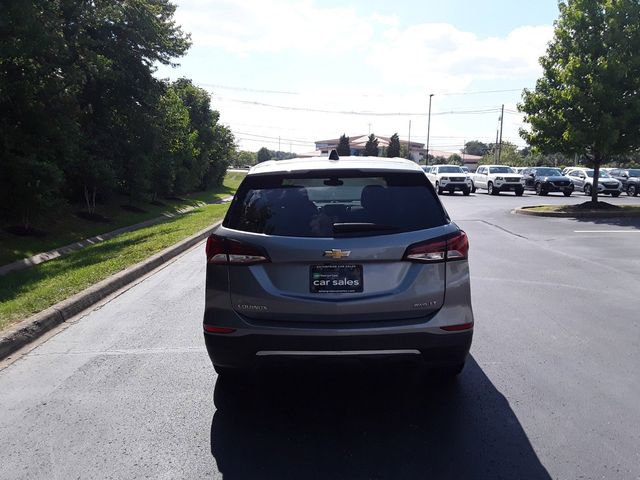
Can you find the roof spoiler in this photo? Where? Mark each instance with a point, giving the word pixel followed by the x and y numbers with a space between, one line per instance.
pixel 333 155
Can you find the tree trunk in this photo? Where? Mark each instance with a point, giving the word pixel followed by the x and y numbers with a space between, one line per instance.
pixel 86 198
pixel 93 200
pixel 596 177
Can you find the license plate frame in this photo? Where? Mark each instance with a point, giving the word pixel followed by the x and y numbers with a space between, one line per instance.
pixel 336 278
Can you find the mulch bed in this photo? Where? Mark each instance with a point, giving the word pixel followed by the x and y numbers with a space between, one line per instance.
pixel 93 217
pixel 21 231
pixel 133 208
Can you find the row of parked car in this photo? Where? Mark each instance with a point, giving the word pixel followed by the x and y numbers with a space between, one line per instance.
pixel 542 180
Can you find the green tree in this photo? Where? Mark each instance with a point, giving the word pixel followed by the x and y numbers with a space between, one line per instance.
pixel 394 146
pixel 264 154
pixel 509 155
pixel 244 158
pixel 371 147
pixel 173 145
pixel 476 147
pixel 586 102
pixel 405 152
pixel 454 159
pixel 344 148
pixel 214 142
pixel 38 109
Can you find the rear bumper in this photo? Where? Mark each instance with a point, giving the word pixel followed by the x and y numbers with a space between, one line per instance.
pixel 247 350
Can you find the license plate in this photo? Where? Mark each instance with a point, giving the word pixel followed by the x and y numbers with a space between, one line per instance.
pixel 335 279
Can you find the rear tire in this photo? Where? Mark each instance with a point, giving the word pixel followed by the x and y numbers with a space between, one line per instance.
pixel 466 192
pixel 473 187
pixel 632 190
pixel 491 190
pixel 438 189
pixel 587 190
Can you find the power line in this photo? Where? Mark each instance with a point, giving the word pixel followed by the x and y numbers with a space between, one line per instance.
pixel 362 113
pixel 246 89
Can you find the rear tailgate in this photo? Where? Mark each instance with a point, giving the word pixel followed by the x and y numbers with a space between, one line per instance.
pixel 372 284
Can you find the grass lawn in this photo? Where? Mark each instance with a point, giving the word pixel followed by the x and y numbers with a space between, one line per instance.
pixel 64 227
pixel 32 290
pixel 620 209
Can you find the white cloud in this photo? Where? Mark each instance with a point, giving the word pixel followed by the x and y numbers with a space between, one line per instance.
pixel 392 68
pixel 245 26
pixel 442 58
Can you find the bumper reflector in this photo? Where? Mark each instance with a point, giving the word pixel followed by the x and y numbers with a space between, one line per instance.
pixel 457 328
pixel 212 329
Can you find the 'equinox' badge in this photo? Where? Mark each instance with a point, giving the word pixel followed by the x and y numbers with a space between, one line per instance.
pixel 337 253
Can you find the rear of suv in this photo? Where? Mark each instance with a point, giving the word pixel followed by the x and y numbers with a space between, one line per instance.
pixel 330 258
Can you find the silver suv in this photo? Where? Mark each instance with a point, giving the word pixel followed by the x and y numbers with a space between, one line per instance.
pixel 346 257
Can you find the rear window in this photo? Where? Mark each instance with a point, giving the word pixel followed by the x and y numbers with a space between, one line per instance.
pixel 330 204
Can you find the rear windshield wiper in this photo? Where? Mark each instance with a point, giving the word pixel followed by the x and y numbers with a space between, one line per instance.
pixel 362 227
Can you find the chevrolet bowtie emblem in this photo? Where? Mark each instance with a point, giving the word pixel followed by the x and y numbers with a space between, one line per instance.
pixel 337 253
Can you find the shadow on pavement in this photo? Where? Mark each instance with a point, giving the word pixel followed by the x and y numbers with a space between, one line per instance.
pixel 350 421
pixel 618 222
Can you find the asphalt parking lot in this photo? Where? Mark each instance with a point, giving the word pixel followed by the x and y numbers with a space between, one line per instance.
pixel 550 390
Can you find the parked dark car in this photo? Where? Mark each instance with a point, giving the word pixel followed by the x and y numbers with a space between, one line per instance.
pixel 630 179
pixel 546 179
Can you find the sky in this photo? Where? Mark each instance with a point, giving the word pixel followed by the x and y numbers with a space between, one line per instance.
pixel 289 72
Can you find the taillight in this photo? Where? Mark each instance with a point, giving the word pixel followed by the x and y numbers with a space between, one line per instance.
pixel 443 249
pixel 224 251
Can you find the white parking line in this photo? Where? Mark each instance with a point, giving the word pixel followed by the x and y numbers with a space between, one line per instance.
pixel 606 231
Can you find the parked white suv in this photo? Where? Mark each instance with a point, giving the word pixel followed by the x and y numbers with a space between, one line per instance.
pixel 449 178
pixel 497 178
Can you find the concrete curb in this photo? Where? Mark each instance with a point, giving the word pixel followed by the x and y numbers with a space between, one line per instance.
pixel 590 214
pixel 28 330
pixel 79 245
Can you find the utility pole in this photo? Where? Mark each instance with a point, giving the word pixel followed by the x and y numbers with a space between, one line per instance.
pixel 464 150
pixel 501 124
pixel 426 160
pixel 409 141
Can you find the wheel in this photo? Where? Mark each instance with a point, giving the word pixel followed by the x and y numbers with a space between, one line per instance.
pixel 491 190
pixel 539 189
pixel 615 194
pixel 587 190
pixel 473 187
pixel 466 192
pixel 520 192
pixel 632 190
pixel 438 189
pixel 567 193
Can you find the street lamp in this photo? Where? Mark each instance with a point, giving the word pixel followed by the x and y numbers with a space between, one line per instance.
pixel 426 160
